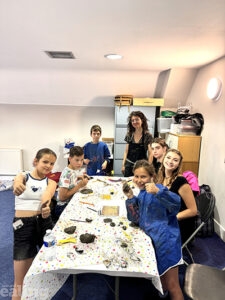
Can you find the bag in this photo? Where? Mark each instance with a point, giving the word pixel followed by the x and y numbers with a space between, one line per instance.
pixel 192 179
pixel 197 120
pixel 208 228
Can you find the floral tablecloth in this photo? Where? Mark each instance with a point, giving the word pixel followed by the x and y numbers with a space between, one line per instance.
pixel 118 248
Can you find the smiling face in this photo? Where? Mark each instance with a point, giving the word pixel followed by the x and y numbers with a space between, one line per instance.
pixel 45 164
pixel 136 122
pixel 141 177
pixel 171 161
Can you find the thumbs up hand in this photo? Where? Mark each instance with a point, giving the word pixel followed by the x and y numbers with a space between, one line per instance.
pixel 151 187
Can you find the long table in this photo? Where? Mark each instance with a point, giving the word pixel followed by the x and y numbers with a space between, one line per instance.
pixel 118 249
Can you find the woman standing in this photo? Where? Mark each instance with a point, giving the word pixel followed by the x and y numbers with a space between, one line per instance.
pixel 170 176
pixel 138 139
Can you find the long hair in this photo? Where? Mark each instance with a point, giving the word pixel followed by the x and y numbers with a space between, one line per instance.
pixel 162 174
pixel 130 128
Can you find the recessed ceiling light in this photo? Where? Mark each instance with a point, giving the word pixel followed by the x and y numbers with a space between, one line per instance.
pixel 60 54
pixel 113 56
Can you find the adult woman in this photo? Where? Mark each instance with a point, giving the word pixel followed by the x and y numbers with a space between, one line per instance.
pixel 138 139
pixel 169 175
pixel 159 148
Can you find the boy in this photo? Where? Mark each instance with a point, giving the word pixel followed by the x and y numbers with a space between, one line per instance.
pixel 96 153
pixel 71 180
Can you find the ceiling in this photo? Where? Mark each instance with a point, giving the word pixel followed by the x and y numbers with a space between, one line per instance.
pixel 150 35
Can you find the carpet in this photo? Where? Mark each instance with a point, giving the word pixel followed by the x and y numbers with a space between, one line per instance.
pixel 209 251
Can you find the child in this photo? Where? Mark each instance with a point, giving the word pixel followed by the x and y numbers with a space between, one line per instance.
pixel 96 153
pixel 71 180
pixel 159 148
pixel 32 214
pixel 155 210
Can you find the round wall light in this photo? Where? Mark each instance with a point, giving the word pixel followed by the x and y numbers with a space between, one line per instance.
pixel 214 88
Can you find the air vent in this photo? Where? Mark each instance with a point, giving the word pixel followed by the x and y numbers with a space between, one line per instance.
pixel 60 54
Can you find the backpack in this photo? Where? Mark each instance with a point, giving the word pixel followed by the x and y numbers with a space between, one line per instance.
pixel 208 228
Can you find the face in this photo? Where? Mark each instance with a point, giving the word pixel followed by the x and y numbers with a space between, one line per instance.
pixel 171 161
pixel 141 177
pixel 95 136
pixel 45 164
pixel 158 151
pixel 136 122
pixel 76 162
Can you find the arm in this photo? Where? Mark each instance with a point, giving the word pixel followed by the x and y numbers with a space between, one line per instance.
pixel 106 156
pixel 187 195
pixel 169 200
pixel 150 154
pixel 65 193
pixel 19 184
pixel 125 157
pixel 46 198
pixel 131 204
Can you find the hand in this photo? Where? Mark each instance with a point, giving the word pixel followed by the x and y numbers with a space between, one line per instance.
pixel 151 187
pixel 18 188
pixel 127 190
pixel 123 170
pixel 104 165
pixel 83 180
pixel 45 210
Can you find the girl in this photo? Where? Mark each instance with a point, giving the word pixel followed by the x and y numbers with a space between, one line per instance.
pixel 169 175
pixel 155 210
pixel 32 214
pixel 159 148
pixel 138 139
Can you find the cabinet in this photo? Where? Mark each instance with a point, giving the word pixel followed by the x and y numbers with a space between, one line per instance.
pixel 121 115
pixel 189 146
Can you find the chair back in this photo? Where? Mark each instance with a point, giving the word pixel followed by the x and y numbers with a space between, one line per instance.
pixel 205 204
pixel 204 282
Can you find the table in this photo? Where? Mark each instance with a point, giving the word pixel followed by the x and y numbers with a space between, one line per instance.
pixel 118 249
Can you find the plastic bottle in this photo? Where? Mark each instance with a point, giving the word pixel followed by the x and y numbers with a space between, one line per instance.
pixel 49 245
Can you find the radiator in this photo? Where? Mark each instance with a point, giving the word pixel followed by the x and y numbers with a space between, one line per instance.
pixel 11 161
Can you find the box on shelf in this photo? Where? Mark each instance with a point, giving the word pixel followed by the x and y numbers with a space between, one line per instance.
pixel 123 100
pixel 148 101
pixel 163 124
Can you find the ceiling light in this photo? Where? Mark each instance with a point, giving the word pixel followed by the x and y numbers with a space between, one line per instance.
pixel 60 54
pixel 113 56
pixel 214 88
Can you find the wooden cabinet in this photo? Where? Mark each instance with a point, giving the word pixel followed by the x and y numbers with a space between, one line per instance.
pixel 189 146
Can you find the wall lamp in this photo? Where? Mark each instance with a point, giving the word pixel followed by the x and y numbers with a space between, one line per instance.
pixel 214 88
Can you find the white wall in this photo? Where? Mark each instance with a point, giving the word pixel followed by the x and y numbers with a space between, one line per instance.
pixel 31 127
pixel 212 163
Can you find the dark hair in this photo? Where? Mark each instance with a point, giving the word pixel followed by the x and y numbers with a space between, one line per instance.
pixel 130 128
pixel 96 128
pixel 176 172
pixel 161 142
pixel 76 151
pixel 44 151
pixel 142 163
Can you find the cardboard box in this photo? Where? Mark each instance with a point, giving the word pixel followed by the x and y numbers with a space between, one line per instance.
pixel 148 101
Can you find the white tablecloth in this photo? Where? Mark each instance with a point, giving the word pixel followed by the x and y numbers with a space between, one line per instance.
pixel 105 255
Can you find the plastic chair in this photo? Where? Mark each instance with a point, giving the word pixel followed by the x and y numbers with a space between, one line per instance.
pixel 205 205
pixel 204 283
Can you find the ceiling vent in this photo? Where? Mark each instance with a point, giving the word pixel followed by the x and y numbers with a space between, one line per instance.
pixel 60 54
